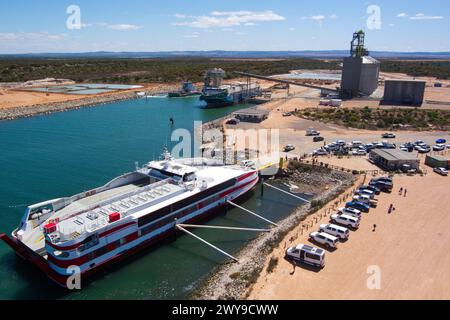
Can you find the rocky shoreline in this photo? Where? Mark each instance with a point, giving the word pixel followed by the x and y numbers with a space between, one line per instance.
pixel 233 281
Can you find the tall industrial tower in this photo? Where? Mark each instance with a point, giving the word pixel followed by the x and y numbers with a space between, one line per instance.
pixel 360 72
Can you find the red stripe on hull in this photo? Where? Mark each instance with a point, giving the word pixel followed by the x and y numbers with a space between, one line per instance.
pixel 245 176
pixel 29 255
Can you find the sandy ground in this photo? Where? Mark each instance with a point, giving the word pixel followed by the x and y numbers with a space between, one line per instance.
pixel 16 98
pixel 293 130
pixel 410 247
pixel 11 98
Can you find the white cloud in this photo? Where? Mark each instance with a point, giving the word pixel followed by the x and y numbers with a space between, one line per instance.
pixel 421 16
pixel 224 19
pixel 333 16
pixel 119 27
pixel 180 16
pixel 22 42
pixel 319 18
pixel 124 27
pixel 31 36
pixel 402 15
pixel 292 29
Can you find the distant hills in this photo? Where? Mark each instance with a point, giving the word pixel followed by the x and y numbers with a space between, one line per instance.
pixel 330 54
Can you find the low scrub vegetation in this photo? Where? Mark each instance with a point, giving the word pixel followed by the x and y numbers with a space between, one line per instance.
pixel 116 70
pixel 438 69
pixel 382 119
pixel 146 70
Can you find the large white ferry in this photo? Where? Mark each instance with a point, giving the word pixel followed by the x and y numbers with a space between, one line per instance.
pixel 94 229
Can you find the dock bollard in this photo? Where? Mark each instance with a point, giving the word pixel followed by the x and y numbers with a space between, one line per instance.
pixel 262 187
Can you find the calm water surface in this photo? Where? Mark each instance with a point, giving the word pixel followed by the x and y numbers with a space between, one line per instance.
pixel 62 154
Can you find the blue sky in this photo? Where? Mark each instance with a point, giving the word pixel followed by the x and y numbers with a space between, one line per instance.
pixel 150 25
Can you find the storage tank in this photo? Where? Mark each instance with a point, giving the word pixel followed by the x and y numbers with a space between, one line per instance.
pixel 404 92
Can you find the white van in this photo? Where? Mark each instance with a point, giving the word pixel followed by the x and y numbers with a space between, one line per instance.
pixel 335 230
pixel 351 212
pixel 324 239
pixel 346 220
pixel 307 254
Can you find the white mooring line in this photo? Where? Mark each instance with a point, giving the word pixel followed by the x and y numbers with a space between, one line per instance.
pixel 222 228
pixel 206 242
pixel 256 215
pixel 281 190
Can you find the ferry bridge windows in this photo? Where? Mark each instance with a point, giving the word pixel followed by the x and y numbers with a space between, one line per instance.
pixel 189 177
pixel 89 242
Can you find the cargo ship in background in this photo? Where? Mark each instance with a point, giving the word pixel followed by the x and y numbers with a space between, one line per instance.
pixel 97 228
pixel 217 95
pixel 187 90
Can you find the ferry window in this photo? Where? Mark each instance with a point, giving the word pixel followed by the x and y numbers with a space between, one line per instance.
pixel 101 251
pixel 60 254
pixel 189 177
pixel 146 230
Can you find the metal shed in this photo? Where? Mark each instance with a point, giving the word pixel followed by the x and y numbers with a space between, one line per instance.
pixel 251 115
pixel 393 159
pixel 436 161
pixel 404 92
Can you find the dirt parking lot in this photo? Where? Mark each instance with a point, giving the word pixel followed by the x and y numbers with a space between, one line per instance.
pixel 410 247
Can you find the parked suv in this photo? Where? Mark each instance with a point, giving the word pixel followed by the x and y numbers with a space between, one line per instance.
pixel 371 188
pixel 358 205
pixel 335 230
pixel 324 239
pixel 351 212
pixel 383 186
pixel 345 220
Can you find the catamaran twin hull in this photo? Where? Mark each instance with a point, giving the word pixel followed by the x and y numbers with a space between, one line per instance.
pixel 94 229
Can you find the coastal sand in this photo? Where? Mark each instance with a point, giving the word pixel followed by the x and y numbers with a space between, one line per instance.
pixel 410 246
pixel 21 98
pixel 11 98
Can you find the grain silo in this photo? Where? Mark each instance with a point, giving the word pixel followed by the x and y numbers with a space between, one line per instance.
pixel 360 71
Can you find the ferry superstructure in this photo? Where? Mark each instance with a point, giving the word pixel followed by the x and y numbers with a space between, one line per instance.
pixel 94 229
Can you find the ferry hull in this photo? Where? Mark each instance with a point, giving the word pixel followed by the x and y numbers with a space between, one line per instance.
pixel 29 255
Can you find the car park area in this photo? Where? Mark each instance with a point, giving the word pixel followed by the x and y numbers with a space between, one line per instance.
pixel 420 221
